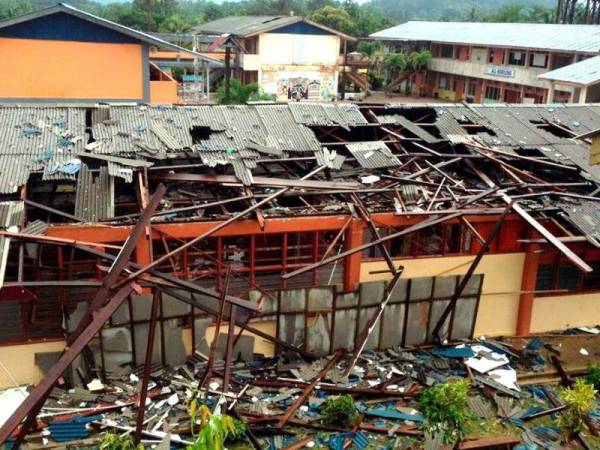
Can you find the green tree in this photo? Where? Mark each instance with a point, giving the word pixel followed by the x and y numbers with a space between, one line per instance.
pixel 11 8
pixel 175 24
pixel 446 409
pixel 580 400
pixel 394 64
pixel 335 17
pixel 213 11
pixel 240 93
pixel 368 48
pixel 417 61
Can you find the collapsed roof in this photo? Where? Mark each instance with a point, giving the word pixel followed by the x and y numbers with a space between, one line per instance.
pixel 404 159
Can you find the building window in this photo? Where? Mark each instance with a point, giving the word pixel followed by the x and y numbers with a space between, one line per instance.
pixel 472 88
pixel 516 58
pixel 538 60
pixel 561 277
pixel 478 55
pixel 492 93
pixel 446 51
pixel 443 82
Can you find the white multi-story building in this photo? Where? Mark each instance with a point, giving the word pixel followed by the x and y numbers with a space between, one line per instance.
pixel 501 62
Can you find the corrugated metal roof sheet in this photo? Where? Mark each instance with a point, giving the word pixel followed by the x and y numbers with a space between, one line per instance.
pixel 11 215
pixel 324 114
pixel 373 155
pixel 580 38
pixel 585 215
pixel 414 128
pixel 94 197
pixel 243 25
pixel 584 73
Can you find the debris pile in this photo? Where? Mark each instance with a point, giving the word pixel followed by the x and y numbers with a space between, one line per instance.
pixel 283 402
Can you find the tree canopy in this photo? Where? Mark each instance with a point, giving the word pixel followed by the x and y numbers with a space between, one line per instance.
pixel 347 16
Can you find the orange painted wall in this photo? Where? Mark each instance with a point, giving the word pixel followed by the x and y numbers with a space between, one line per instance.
pixel 162 92
pixel 70 70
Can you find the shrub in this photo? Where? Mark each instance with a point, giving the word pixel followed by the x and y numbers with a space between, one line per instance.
pixel 580 400
pixel 214 428
pixel 446 409
pixel 239 431
pixel 339 411
pixel 113 441
pixel 593 376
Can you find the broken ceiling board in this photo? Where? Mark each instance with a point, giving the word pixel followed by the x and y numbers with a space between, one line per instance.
pixel 373 155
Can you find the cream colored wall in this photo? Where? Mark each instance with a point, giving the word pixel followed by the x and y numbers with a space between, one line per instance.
pixel 18 361
pixel 500 291
pixel 565 311
pixel 300 49
pixel 260 345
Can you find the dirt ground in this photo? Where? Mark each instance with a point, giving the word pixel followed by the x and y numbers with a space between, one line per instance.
pixel 576 352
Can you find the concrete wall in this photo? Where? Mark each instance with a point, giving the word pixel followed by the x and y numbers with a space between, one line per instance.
pixel 500 291
pixel 162 92
pixel 298 49
pixel 288 60
pixel 19 362
pixel 565 311
pixel 48 69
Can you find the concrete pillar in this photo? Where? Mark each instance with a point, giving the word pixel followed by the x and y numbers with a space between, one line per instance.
pixel 528 285
pixel 583 95
pixel 550 97
pixel 354 238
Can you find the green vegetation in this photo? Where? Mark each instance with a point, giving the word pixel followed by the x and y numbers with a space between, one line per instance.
pixel 348 16
pixel 241 93
pixel 593 376
pixel 340 411
pixel 394 63
pixel 580 400
pixel 446 410
pixel 215 429
pixel 113 441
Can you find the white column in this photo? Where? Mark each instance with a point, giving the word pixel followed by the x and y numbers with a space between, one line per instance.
pixel 550 98
pixel 583 95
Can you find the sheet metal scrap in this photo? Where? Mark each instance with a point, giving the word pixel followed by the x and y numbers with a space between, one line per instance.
pixel 373 155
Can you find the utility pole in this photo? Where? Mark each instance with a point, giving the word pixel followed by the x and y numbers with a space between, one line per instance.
pixel 227 72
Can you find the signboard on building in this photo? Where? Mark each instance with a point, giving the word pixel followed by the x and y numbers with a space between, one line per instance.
pixel 300 85
pixel 500 72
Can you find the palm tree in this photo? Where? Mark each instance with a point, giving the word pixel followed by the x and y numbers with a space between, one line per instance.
pixel 369 49
pixel 418 61
pixel 394 63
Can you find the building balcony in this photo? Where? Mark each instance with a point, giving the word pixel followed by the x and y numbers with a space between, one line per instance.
pixel 527 76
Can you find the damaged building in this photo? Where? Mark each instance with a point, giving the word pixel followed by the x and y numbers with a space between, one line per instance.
pixel 131 235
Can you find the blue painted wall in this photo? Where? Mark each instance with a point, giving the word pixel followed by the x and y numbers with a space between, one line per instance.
pixel 301 28
pixel 65 27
